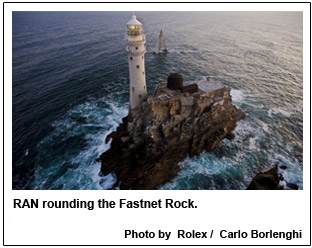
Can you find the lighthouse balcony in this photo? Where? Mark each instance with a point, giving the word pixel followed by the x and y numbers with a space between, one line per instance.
pixel 135 39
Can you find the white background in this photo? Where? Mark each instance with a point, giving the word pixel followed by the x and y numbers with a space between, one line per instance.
pixel 218 210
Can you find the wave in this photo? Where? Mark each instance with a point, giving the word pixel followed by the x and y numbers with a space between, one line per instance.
pixel 282 111
pixel 182 51
pixel 238 96
pixel 67 156
pixel 294 171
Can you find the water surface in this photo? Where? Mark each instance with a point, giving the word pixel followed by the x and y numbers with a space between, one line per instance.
pixel 70 89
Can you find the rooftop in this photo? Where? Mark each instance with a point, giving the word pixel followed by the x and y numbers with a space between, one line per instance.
pixel 133 21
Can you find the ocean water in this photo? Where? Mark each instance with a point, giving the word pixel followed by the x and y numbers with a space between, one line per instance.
pixel 70 90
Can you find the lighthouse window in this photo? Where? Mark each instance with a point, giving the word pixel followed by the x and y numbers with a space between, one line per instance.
pixel 132 88
pixel 131 58
pixel 140 96
pixel 137 66
pixel 143 72
pixel 144 86
pixel 136 48
pixel 142 57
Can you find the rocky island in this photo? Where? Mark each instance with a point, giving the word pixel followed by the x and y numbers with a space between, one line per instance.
pixel 180 119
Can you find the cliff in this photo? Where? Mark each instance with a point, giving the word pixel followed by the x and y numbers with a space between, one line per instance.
pixel 159 133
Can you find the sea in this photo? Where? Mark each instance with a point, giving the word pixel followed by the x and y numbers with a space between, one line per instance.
pixel 71 89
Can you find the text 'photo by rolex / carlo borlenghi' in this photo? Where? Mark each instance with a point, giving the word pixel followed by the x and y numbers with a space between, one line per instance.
pixel 157 100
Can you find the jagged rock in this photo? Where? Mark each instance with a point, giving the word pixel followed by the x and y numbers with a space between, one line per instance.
pixel 265 180
pixel 292 186
pixel 230 136
pixel 271 180
pixel 159 133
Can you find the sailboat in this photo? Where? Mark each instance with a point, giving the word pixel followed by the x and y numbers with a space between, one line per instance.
pixel 161 45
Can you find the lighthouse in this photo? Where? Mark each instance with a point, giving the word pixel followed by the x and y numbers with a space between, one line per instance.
pixel 135 47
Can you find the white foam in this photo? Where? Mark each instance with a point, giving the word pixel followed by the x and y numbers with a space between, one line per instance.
pixel 180 51
pixel 264 126
pixel 108 181
pixel 270 112
pixel 237 96
pixel 252 144
pixel 293 173
pixel 85 175
pixel 276 110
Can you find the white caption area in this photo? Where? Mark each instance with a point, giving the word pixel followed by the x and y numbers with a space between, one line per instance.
pixel 218 210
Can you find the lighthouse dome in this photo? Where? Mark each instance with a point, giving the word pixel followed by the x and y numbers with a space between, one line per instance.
pixel 134 21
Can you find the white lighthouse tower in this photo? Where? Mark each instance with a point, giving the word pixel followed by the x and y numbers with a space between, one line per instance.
pixel 135 47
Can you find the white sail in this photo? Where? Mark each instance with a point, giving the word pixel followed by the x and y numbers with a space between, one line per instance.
pixel 161 45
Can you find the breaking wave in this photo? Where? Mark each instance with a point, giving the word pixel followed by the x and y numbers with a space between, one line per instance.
pixel 281 111
pixel 237 96
pixel 67 157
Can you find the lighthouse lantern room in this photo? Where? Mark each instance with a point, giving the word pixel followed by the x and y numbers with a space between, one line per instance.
pixel 135 47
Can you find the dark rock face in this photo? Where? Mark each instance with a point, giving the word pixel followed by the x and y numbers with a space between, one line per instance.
pixel 175 81
pixel 270 180
pixel 265 180
pixel 156 135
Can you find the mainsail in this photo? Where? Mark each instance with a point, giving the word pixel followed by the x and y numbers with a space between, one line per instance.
pixel 161 45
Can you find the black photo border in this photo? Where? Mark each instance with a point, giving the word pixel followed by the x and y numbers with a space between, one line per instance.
pixel 3 241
